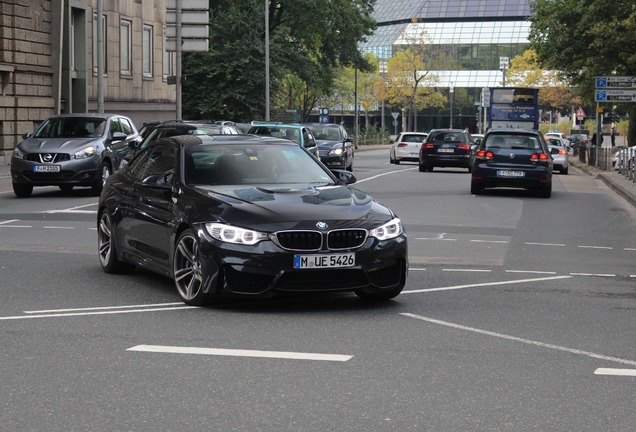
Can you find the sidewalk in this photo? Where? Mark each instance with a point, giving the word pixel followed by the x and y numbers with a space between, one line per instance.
pixel 615 181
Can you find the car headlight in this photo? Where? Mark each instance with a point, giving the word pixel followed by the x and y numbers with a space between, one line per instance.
pixel 85 153
pixel 335 152
pixel 17 153
pixel 387 231
pixel 235 235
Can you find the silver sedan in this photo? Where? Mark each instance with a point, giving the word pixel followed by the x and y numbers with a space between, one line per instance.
pixel 559 151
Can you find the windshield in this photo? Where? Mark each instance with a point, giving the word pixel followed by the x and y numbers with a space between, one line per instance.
pixel 71 127
pixel 244 164
pixel 328 133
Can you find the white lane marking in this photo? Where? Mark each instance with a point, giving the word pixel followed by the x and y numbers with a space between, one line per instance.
pixel 456 287
pixel 9 221
pixel 60 315
pixel 530 271
pixel 593 274
pixel 416 269
pixel 58 227
pixel 75 209
pixel 616 372
pixel 630 249
pixel 384 174
pixel 545 244
pixel 16 226
pixel 104 308
pixel 241 353
pixel 489 241
pixel 466 270
pixel 595 247
pixel 522 340
pixel 437 238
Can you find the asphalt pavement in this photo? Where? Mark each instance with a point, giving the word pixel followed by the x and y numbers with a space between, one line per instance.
pixel 612 178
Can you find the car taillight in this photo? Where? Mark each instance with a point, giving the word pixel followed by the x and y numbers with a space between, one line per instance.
pixel 539 156
pixel 463 147
pixel 427 146
pixel 402 144
pixel 483 154
pixel 562 152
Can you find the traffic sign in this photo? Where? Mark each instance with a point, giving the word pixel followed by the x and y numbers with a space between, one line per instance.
pixel 580 113
pixel 395 115
pixel 611 95
pixel 615 82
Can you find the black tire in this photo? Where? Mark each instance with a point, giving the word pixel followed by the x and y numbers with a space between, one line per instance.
pixel 422 168
pixel 382 295
pixel 22 190
pixel 475 189
pixel 106 247
pixel 546 192
pixel 66 188
pixel 188 276
pixel 565 170
pixel 397 161
pixel 106 171
pixel 429 168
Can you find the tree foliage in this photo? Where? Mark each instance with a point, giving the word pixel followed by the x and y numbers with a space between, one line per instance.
pixel 308 40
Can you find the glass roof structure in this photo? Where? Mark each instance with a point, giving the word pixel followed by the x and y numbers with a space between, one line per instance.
pixel 481 31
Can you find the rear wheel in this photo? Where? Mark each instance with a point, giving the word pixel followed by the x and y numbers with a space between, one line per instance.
pixel 22 190
pixel 475 189
pixel 546 192
pixel 188 274
pixel 565 170
pixel 422 168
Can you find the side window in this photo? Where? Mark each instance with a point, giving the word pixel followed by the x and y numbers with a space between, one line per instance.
pixel 162 159
pixel 126 126
pixel 137 166
pixel 114 126
pixel 308 138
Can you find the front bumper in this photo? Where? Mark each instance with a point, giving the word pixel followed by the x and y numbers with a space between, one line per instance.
pixel 82 172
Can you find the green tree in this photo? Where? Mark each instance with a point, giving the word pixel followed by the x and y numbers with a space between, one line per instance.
pixel 308 39
pixel 584 39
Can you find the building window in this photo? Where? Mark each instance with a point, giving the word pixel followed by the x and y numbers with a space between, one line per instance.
pixel 147 51
pixel 125 47
pixel 168 62
pixel 104 39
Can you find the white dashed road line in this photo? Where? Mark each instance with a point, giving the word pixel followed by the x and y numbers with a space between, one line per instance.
pixel 615 372
pixel 485 284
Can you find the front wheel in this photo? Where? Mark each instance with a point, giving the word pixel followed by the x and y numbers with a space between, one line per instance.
pixel 22 190
pixel 188 274
pixel 107 249
pixel 106 172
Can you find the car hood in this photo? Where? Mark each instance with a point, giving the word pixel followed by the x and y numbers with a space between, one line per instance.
pixel 275 207
pixel 327 144
pixel 67 145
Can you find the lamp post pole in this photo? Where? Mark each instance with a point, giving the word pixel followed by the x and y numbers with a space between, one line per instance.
pixel 451 92
pixel 266 60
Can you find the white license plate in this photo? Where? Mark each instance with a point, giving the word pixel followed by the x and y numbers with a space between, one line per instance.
pixel 506 173
pixel 46 168
pixel 445 150
pixel 324 261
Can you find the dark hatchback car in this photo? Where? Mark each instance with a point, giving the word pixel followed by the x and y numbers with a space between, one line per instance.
pixel 71 150
pixel 246 216
pixel 513 158
pixel 335 147
pixel 446 148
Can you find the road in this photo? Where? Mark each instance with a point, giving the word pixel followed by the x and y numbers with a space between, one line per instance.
pixel 517 316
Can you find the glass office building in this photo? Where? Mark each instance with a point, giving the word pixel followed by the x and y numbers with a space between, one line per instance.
pixel 474 34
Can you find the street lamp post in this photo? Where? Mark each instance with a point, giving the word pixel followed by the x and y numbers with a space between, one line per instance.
pixel 451 91
pixel 503 65
pixel 266 60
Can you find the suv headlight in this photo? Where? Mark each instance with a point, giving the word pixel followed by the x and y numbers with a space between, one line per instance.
pixel 17 153
pixel 85 153
pixel 335 152
pixel 389 230
pixel 235 235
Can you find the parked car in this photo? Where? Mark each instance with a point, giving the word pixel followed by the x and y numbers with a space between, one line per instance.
pixel 71 150
pixel 446 148
pixel 179 127
pixel 335 146
pixel 301 135
pixel 406 147
pixel 560 156
pixel 577 140
pixel 513 158
pixel 245 216
pixel 558 135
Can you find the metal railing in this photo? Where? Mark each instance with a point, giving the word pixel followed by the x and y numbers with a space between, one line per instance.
pixel 625 159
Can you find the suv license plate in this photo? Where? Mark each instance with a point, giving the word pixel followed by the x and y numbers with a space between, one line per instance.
pixel 46 168
pixel 507 173
pixel 324 261
pixel 446 150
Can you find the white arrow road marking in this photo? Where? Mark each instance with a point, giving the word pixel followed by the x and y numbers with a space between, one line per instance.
pixel 241 353
pixel 456 287
pixel 617 372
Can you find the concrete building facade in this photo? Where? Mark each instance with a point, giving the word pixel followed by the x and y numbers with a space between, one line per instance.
pixel 48 63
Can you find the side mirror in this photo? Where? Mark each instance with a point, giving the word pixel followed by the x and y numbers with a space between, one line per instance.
pixel 159 181
pixel 27 135
pixel 345 177
pixel 119 136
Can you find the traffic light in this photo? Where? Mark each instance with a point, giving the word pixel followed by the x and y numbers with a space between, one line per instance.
pixel 614 117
